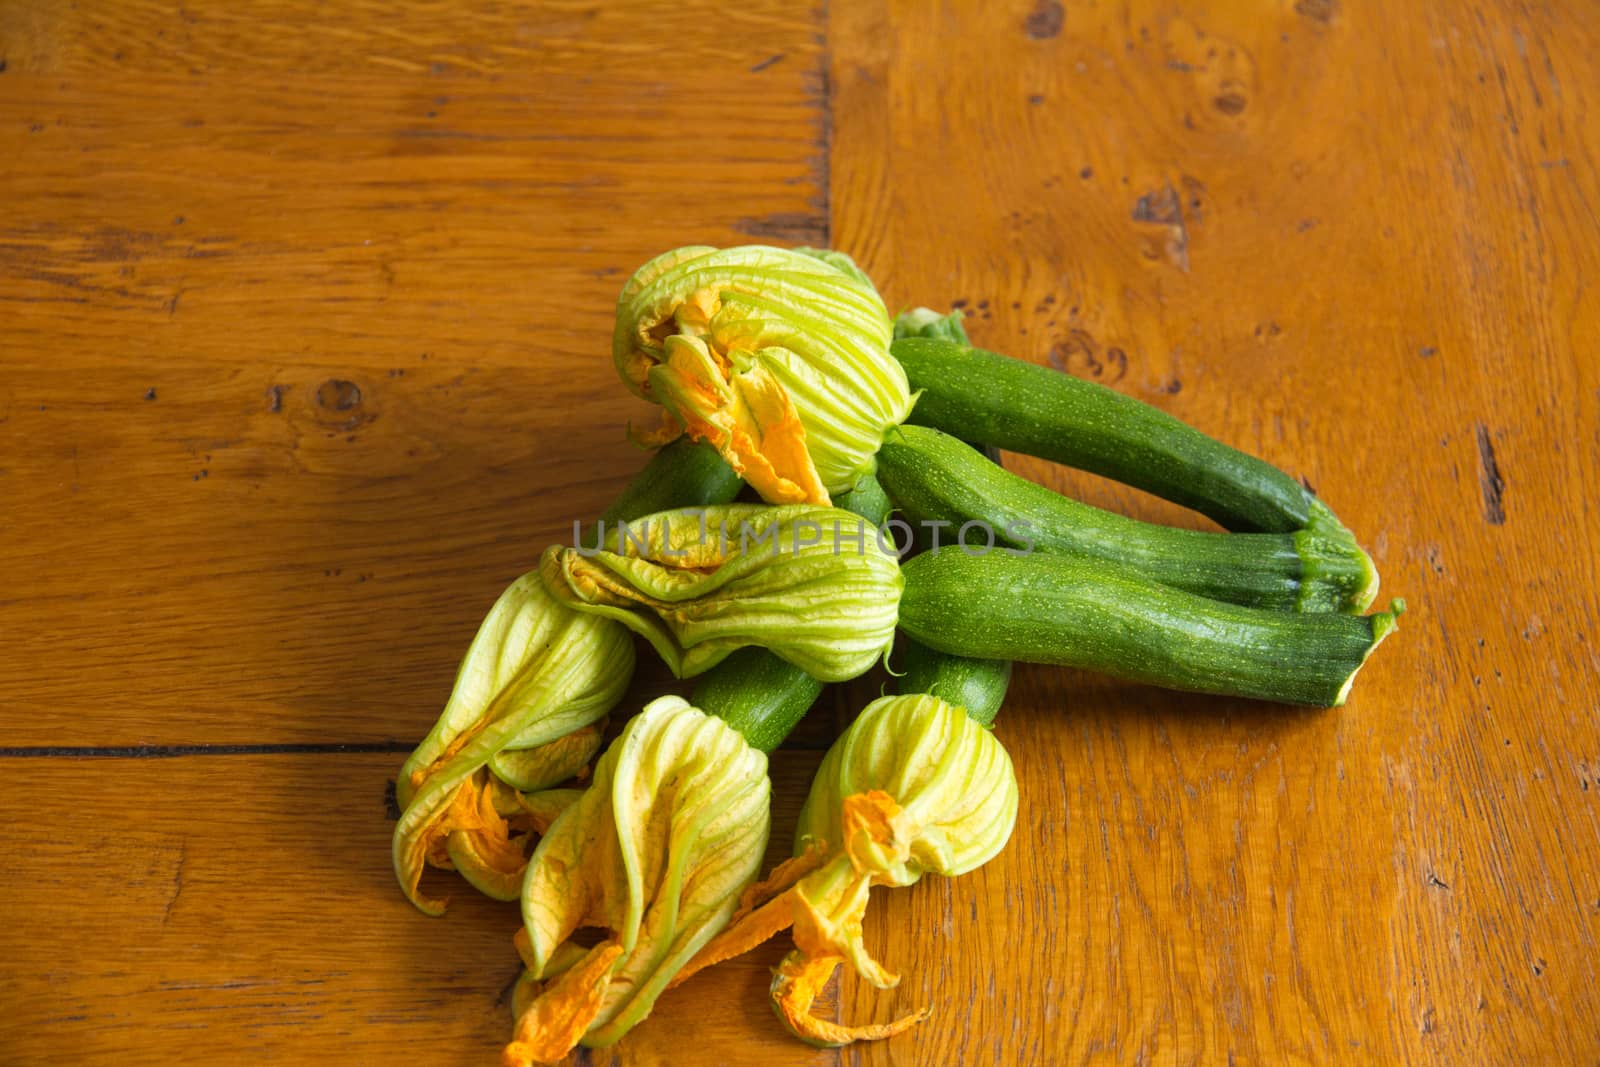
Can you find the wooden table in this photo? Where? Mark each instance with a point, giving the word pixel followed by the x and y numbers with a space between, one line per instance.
pixel 304 315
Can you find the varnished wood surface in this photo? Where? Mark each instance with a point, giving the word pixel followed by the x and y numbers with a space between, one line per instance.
pixel 1360 241
pixel 303 328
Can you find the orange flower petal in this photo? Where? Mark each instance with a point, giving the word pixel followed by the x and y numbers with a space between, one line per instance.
pixel 746 415
pixel 795 986
pixel 765 909
pixel 668 430
pixel 471 808
pixel 756 927
pixel 771 439
pixel 869 819
pixel 783 877
pixel 827 922
pixel 559 1016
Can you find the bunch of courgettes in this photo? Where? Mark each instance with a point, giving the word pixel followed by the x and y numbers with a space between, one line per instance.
pixel 1270 610
pixel 780 370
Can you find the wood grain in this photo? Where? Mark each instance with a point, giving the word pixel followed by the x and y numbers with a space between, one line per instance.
pixel 242 909
pixel 1355 240
pixel 304 363
pixel 303 327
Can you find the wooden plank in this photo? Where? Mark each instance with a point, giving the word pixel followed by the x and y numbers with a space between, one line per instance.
pixel 243 908
pixel 303 353
pixel 180 221
pixel 1354 239
pixel 377 38
pixel 280 555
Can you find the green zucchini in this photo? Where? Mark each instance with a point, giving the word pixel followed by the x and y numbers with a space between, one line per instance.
pixel 991 399
pixel 925 322
pixel 867 499
pixel 978 685
pixel 758 694
pixel 932 476
pixel 1081 613
pixel 682 474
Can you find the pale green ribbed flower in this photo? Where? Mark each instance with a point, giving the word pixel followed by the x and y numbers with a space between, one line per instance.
pixel 778 357
pixel 656 853
pixel 913 786
pixel 815 585
pixel 529 701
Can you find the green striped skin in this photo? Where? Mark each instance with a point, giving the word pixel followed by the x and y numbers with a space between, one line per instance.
pixel 758 694
pixel 867 499
pixel 978 685
pixel 1098 617
pixel 683 474
pixel 931 475
pixel 991 399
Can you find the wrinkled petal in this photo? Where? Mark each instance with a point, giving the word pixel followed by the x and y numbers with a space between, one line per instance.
pixel 493 855
pixel 952 779
pixel 814 585
pixel 555 1019
pixel 545 806
pixel 765 910
pixel 465 807
pixel 542 766
pixel 537 674
pixel 912 786
pixel 797 982
pixel 749 418
pixel 512 677
pixel 657 852
pixel 491 864
pixel 779 358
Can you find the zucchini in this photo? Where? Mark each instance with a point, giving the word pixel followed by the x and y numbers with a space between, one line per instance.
pixel 682 474
pixel 1091 615
pixel 867 499
pixel 990 399
pixel 758 694
pixel 978 685
pixel 932 476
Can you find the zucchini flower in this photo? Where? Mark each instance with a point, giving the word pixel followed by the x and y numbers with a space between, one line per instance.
pixel 779 358
pixel 655 852
pixel 527 711
pixel 913 786
pixel 815 585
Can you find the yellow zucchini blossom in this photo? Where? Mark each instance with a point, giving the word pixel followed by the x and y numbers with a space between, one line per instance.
pixel 912 786
pixel 815 585
pixel 656 853
pixel 527 711
pixel 778 357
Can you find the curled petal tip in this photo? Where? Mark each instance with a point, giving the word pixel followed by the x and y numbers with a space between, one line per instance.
pixel 526 705
pixel 797 982
pixel 913 786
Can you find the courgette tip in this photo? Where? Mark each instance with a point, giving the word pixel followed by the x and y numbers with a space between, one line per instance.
pixel 1383 624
